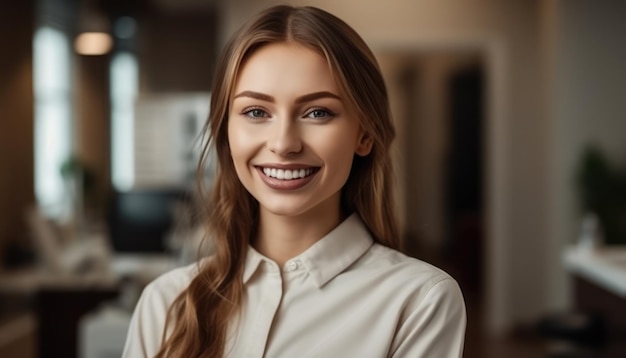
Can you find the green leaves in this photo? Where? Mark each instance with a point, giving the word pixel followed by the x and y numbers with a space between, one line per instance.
pixel 602 190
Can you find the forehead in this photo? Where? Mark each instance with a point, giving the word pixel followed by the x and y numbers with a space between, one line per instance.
pixel 285 68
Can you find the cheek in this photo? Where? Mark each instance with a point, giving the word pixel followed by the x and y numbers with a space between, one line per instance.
pixel 338 152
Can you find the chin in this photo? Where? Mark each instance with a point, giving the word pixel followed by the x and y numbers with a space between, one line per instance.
pixel 285 210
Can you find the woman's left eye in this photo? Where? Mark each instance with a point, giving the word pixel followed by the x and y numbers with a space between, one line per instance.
pixel 319 113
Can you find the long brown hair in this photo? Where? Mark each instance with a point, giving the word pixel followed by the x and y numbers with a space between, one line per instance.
pixel 199 318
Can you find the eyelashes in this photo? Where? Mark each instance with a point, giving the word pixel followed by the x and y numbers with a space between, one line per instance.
pixel 318 113
pixel 255 112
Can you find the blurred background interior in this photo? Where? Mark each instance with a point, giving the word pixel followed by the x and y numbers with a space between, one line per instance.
pixel 510 159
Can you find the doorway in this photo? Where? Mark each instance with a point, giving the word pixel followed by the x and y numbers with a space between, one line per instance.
pixel 438 102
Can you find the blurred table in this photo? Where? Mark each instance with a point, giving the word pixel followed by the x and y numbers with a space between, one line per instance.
pixel 599 287
pixel 122 266
pixel 59 301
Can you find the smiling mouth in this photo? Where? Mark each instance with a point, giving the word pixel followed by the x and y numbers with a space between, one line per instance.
pixel 288 174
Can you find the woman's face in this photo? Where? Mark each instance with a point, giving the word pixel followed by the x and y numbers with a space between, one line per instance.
pixel 291 136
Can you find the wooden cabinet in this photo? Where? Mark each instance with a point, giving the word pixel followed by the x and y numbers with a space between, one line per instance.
pixel 611 308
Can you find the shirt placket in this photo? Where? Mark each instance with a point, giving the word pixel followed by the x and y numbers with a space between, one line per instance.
pixel 269 301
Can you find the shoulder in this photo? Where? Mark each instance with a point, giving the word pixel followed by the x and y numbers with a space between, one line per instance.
pixel 401 266
pixel 159 294
pixel 148 322
pixel 424 302
pixel 169 285
pixel 431 308
pixel 408 277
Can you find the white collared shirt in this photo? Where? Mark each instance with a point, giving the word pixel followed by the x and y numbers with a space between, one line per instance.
pixel 346 296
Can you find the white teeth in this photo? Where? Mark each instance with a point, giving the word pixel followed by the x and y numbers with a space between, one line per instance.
pixel 286 174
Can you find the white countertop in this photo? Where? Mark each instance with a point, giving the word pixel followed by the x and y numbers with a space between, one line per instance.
pixel 605 267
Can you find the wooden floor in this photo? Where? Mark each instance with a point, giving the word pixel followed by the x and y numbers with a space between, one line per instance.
pixel 18 337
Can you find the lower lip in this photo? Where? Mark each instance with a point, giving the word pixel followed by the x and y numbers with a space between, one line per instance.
pixel 291 184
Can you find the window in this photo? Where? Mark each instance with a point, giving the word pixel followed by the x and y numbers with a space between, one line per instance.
pixel 53 118
pixel 124 78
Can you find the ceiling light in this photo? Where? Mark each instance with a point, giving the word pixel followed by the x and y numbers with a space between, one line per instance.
pixel 93 43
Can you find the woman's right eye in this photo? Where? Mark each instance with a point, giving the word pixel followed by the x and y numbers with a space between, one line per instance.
pixel 255 113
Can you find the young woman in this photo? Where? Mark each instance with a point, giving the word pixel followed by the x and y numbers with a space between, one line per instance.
pixel 301 216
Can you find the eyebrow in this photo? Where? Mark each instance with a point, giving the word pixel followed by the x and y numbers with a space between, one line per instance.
pixel 302 99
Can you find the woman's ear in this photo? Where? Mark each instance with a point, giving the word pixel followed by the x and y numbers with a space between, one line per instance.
pixel 364 145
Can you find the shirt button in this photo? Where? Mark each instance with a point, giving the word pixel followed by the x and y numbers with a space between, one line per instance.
pixel 292 265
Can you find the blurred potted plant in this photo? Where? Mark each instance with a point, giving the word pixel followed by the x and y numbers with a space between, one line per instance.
pixel 79 182
pixel 602 190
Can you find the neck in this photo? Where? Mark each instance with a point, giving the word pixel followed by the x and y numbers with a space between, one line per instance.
pixel 281 238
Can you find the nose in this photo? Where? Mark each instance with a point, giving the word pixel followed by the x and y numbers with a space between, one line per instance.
pixel 284 139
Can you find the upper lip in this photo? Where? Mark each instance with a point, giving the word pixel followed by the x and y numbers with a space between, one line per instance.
pixel 290 166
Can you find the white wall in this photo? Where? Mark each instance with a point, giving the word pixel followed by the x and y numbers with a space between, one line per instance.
pixel 518 132
pixel 589 93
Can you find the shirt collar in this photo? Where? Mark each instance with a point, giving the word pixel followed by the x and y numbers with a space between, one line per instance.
pixel 253 260
pixel 328 257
